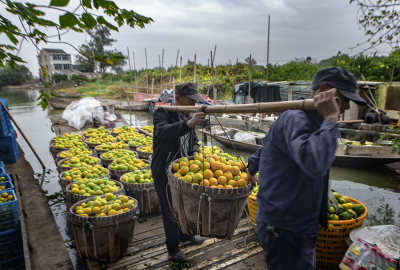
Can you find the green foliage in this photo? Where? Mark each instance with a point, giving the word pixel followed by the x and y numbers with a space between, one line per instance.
pixel 380 21
pixel 79 79
pixel 14 75
pixel 35 25
pixel 57 77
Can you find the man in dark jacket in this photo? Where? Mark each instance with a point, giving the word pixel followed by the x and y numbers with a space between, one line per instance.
pixel 174 137
pixel 294 163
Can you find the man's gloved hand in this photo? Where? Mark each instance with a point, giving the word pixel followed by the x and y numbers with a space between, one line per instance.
pixel 198 117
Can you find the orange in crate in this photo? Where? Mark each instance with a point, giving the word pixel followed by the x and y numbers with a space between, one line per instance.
pixel 331 244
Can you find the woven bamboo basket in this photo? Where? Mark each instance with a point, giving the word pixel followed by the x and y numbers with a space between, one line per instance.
pixel 64 183
pixel 116 174
pixel 145 155
pixel 146 195
pixel 209 212
pixel 99 152
pixel 106 162
pixel 71 198
pixel 104 239
pixel 331 241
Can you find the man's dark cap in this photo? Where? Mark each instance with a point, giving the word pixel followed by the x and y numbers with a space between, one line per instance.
pixel 188 89
pixel 341 79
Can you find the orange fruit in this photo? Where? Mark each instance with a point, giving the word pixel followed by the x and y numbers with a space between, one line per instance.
pixel 228 176
pixel 197 177
pixel 215 166
pixel 208 174
pixel 183 170
pixel 242 183
pixel 232 183
pixel 206 183
pixel 213 181
pixel 224 168
pixel 222 180
pixel 194 168
pixel 218 173
pixel 234 170
pixel 245 177
pixel 228 186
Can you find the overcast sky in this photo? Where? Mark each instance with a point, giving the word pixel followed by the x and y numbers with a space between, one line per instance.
pixel 299 28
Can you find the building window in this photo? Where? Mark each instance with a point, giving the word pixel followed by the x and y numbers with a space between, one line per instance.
pixel 65 57
pixel 45 58
pixel 58 66
pixel 67 66
pixel 56 57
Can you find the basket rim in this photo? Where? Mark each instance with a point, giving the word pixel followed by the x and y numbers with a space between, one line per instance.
pixel 93 153
pixel 230 191
pixel 136 184
pixel 353 220
pixel 59 163
pixel 67 188
pixel 73 206
pixel 61 175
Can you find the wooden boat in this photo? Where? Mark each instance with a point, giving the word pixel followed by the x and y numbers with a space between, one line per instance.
pixel 59 103
pixel 225 137
pixel 346 155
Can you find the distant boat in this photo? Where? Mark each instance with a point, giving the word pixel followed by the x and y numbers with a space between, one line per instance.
pixel 346 155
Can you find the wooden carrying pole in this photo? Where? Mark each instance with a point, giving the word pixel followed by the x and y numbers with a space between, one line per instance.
pixel 267 107
pixel 23 135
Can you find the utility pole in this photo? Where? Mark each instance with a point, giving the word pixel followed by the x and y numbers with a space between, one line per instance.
pixel 268 47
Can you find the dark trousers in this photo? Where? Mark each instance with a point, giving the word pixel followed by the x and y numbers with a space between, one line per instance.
pixel 286 249
pixel 172 230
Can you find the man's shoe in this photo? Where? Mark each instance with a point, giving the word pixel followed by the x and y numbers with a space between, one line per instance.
pixel 194 240
pixel 178 256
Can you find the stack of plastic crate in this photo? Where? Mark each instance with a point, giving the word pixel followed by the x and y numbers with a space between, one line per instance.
pixel 11 250
pixel 8 142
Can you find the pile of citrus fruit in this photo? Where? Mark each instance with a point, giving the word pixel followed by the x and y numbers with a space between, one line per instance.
pixel 68 141
pixel 124 129
pixel 100 131
pixel 75 152
pixel 139 141
pixel 100 139
pixel 146 149
pixel 2 179
pixel 111 146
pixel 138 177
pixel 148 129
pixel 216 171
pixel 5 197
pixel 107 205
pixel 85 173
pixel 94 187
pixel 81 160
pixel 210 150
pixel 128 163
pixel 347 210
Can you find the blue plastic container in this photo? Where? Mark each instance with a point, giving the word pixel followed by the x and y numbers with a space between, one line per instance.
pixel 10 246
pixel 9 148
pixel 5 123
pixel 8 186
pixel 9 215
pixel 6 176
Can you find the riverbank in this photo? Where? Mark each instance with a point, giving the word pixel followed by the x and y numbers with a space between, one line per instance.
pixel 44 247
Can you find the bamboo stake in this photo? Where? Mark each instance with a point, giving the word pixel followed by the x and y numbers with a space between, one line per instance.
pixel 23 135
pixel 97 75
pixel 266 75
pixel 162 59
pixel 266 107
pixel 173 90
pixel 194 79
pixel 147 75
pixel 248 99
pixel 134 66
pixel 130 69
pixel 152 86
pixel 180 71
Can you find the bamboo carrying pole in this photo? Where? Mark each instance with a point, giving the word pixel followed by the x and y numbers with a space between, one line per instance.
pixel 267 107
pixel 23 135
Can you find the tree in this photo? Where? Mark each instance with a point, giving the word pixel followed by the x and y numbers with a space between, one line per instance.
pixel 94 49
pixel 14 75
pixel 253 62
pixel 34 24
pixel 380 21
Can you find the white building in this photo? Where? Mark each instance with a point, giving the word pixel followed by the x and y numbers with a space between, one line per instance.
pixel 54 61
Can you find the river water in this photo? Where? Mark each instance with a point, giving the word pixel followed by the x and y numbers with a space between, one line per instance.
pixel 378 188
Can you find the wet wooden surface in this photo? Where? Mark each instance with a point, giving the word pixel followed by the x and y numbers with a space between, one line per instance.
pixel 148 251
